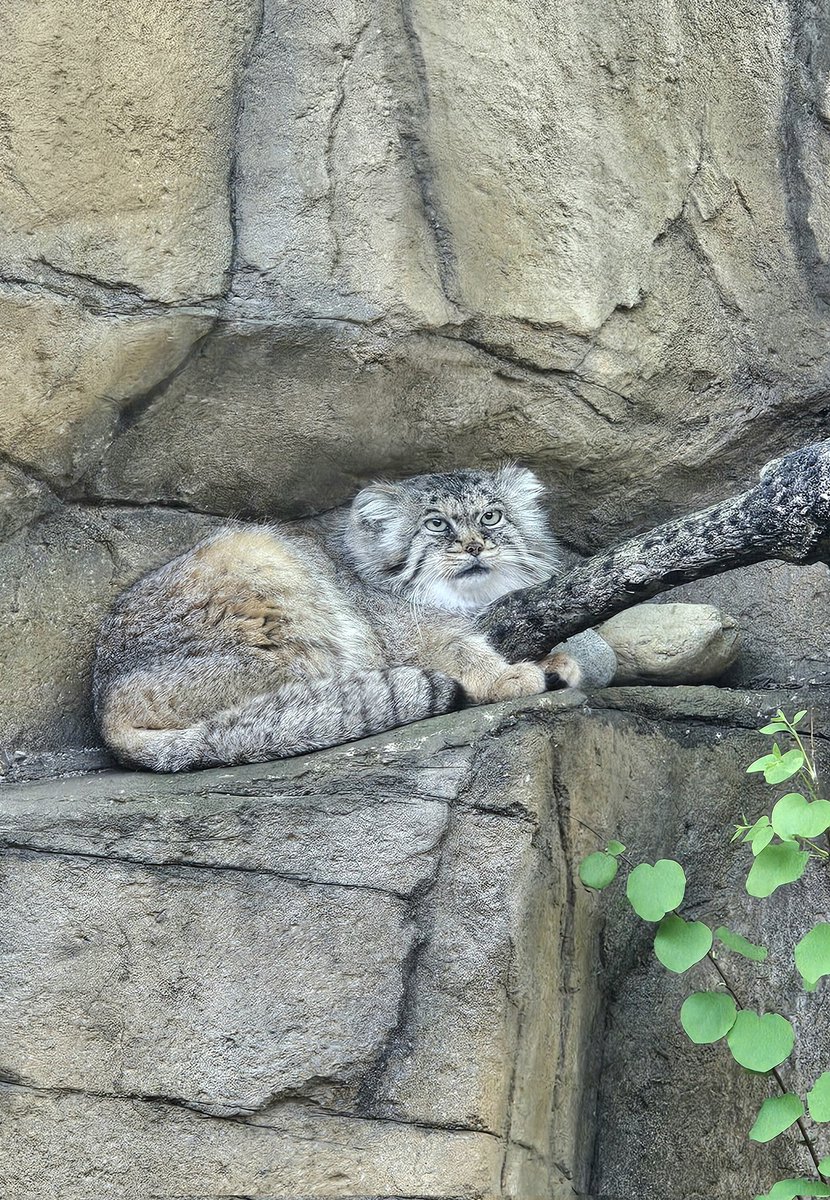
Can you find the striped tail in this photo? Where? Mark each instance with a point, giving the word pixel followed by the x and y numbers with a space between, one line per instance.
pixel 295 719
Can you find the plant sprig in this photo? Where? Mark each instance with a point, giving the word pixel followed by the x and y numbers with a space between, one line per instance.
pixel 782 843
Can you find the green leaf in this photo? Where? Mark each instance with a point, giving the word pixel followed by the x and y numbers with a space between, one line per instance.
pixel 752 830
pixel 760 1043
pixel 761 764
pixel 762 839
pixel 707 1016
pixel 818 1099
pixel 812 955
pixel 824 1166
pixel 680 944
pixel 598 870
pixel 775 866
pixel 615 848
pixel 777 1114
pixel 799 716
pixel 734 941
pixel 655 890
pixel 785 766
pixel 774 727
pixel 788 1189
pixel 795 816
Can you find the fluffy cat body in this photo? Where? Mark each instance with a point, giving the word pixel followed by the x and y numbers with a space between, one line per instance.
pixel 263 642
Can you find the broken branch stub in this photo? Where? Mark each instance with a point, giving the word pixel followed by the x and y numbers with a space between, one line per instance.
pixel 785 516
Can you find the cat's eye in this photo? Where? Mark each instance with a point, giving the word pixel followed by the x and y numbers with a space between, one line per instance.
pixel 436 524
pixel 492 517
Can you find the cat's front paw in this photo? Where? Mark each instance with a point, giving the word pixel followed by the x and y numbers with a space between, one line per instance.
pixel 561 671
pixel 519 679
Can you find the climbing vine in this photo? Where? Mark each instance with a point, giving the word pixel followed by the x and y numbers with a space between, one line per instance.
pixel 780 845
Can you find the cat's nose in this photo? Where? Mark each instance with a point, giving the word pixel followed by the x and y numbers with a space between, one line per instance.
pixel 474 548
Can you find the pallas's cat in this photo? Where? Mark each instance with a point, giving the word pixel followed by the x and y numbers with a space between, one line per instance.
pixel 265 641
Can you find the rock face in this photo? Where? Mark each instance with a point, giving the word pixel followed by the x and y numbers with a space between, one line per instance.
pixel 253 255
pixel 372 972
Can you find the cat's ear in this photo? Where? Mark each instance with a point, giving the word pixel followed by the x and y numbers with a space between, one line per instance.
pixel 519 485
pixel 377 503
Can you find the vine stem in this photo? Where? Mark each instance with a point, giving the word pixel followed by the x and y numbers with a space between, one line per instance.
pixel 802 1129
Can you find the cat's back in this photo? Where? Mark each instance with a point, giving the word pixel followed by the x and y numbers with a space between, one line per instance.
pixel 246 587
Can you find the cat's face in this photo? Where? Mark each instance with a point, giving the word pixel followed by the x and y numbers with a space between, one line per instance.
pixel 456 541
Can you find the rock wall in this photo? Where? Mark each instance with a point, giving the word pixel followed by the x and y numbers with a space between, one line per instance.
pixel 371 971
pixel 252 255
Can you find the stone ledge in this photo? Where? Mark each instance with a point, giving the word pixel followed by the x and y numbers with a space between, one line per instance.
pixel 367 971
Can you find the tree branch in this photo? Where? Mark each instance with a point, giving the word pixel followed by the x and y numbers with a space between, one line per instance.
pixel 786 516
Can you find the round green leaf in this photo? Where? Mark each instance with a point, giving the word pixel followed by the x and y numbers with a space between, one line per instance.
pixel 818 1099
pixel 597 870
pixel 760 1043
pixel 775 866
pixel 812 955
pixel 761 839
pixel 740 945
pixel 761 764
pixel 760 834
pixel 784 767
pixel 707 1016
pixel 615 848
pixel 795 816
pixel 788 1189
pixel 824 1166
pixel 777 1114
pixel 680 944
pixel 655 890
pixel 761 823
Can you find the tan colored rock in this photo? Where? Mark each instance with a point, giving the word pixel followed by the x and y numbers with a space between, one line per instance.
pixel 279 947
pixel 67 374
pixel 253 258
pixel 333 217
pixel 243 1044
pixel 80 1146
pixel 671 643
pixel 118 142
pixel 372 971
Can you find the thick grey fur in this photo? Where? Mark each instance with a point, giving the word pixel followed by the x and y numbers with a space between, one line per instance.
pixel 263 642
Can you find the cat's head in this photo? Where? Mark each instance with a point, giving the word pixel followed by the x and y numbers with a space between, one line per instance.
pixel 455 541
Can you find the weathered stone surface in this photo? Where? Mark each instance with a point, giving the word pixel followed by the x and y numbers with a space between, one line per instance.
pixel 116 233
pixel 69 374
pixel 671 643
pixel 783 614
pixel 278 945
pixel 408 189
pixel 595 657
pixel 119 137
pixel 22 499
pixel 253 256
pixel 372 972
pixel 81 1146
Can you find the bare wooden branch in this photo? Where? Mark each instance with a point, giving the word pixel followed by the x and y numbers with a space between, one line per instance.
pixel 786 516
